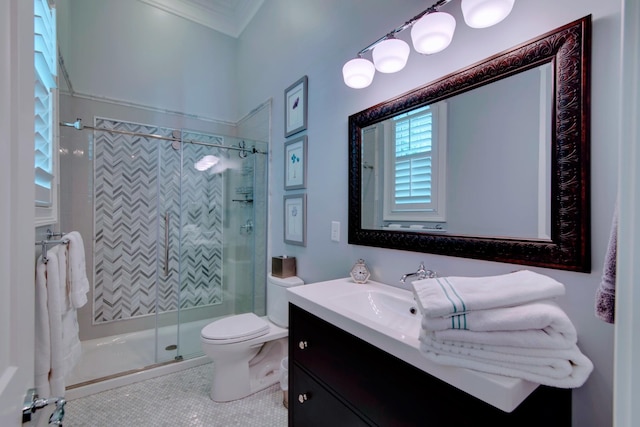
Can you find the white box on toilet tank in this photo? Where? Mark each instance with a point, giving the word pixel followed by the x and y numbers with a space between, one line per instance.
pixel 277 301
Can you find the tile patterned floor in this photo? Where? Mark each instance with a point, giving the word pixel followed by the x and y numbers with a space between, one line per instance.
pixel 179 399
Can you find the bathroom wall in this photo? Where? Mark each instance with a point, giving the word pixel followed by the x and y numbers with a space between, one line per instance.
pixel 287 40
pixel 132 52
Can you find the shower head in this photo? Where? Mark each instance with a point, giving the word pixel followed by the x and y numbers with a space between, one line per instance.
pixel 77 124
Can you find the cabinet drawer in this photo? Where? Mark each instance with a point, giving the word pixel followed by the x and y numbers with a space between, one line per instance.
pixel 310 404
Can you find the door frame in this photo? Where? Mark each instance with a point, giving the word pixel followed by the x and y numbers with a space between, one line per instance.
pixel 17 208
pixel 626 376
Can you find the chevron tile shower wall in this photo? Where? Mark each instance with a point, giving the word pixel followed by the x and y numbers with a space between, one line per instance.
pixel 137 182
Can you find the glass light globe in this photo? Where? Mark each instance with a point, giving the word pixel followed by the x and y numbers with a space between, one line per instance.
pixel 391 55
pixel 433 32
pixel 485 13
pixel 358 73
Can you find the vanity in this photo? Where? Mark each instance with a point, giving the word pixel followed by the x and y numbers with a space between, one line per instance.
pixel 354 361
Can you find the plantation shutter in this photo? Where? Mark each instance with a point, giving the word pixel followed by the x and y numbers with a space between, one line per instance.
pixel 413 160
pixel 45 82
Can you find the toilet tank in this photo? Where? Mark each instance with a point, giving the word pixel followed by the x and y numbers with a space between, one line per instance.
pixel 277 301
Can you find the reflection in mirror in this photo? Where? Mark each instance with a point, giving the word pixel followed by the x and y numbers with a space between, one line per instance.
pixel 442 168
pixel 491 162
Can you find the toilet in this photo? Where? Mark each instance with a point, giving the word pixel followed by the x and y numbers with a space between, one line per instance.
pixel 247 350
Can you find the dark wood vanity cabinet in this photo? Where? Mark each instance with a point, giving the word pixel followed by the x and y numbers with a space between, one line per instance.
pixel 338 380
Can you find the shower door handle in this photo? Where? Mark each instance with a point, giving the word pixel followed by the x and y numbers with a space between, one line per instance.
pixel 167 221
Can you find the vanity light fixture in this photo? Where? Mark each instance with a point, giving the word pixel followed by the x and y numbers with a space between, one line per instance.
pixel 358 73
pixel 431 32
pixel 391 55
pixel 485 13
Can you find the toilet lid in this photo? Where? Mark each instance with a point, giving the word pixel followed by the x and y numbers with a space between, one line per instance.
pixel 241 327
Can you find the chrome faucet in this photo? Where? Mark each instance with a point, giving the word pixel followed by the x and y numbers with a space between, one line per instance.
pixel 422 273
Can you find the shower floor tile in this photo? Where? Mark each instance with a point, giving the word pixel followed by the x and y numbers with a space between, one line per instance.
pixel 179 399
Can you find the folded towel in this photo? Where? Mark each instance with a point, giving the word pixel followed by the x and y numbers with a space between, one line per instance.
pixel 606 292
pixel 443 296
pixel 558 368
pixel 553 363
pixel 541 324
pixel 77 280
pixel 531 338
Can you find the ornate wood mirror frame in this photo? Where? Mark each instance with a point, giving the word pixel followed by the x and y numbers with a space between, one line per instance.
pixel 568 50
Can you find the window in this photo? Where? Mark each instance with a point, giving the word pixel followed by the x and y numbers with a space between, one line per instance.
pixel 416 166
pixel 45 111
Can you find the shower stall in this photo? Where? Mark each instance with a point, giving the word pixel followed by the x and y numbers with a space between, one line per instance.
pixel 176 239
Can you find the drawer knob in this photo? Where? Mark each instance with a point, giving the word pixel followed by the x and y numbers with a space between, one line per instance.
pixel 302 397
pixel 302 345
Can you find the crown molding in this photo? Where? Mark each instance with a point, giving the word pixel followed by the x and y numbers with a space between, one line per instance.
pixel 229 17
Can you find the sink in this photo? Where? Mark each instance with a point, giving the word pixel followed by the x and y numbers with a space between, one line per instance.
pixel 387 317
pixel 397 312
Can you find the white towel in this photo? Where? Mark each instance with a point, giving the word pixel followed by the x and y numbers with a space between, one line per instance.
pixel 42 334
pixel 71 347
pixel 541 324
pixel 558 368
pixel 55 301
pixel 57 346
pixel 444 296
pixel 78 281
pixel 554 363
pixel 532 338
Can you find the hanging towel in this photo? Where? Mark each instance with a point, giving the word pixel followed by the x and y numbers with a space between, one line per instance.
pixel 605 306
pixel 445 296
pixel 77 280
pixel 42 334
pixel 558 368
pixel 55 301
pixel 541 324
pixel 57 346
pixel 71 347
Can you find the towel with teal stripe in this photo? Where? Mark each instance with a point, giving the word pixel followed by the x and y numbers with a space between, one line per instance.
pixel 455 296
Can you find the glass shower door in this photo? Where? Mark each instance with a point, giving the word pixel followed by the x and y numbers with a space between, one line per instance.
pixel 168 249
pixel 218 238
pixel 136 194
pixel 200 288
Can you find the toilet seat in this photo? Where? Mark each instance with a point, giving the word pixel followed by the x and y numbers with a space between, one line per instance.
pixel 232 329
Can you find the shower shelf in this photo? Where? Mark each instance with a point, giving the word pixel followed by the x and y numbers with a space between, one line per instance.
pixel 242 200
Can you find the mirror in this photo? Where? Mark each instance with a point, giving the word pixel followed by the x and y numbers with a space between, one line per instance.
pixel 514 127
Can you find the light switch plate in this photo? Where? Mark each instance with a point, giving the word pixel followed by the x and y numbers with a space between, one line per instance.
pixel 335 231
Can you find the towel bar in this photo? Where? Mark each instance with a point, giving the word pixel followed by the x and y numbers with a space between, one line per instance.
pixel 48 242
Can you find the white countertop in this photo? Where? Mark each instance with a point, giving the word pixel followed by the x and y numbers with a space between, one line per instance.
pixel 322 300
